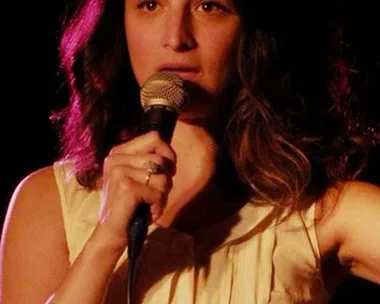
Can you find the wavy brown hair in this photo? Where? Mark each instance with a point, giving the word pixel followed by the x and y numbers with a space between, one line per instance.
pixel 290 132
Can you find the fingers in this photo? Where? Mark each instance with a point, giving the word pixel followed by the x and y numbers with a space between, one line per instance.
pixel 159 181
pixel 149 143
pixel 137 171
pixel 125 195
pixel 140 161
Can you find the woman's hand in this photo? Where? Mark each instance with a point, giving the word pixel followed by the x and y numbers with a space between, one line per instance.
pixel 127 182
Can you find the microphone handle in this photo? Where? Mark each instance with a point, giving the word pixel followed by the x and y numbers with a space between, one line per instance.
pixel 162 119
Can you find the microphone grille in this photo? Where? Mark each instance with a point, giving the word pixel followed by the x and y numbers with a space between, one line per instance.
pixel 166 89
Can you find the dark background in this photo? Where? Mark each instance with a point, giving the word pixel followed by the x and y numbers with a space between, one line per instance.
pixel 32 89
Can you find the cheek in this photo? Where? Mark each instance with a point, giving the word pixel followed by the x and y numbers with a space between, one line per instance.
pixel 220 57
pixel 139 47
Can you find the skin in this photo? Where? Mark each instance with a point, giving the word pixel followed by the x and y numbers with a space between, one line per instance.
pixel 195 39
pixel 348 217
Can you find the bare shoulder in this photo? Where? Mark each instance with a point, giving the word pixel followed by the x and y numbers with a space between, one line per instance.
pixel 39 182
pixel 34 232
pixel 348 222
pixel 36 193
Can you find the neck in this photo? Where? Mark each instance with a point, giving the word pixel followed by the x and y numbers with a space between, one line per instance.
pixel 190 137
pixel 196 151
pixel 195 190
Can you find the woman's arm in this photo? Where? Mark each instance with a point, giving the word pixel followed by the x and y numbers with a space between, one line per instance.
pixel 350 227
pixel 34 254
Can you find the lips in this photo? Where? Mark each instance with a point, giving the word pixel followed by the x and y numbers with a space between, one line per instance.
pixel 186 72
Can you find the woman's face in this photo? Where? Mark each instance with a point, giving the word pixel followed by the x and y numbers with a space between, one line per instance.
pixel 195 39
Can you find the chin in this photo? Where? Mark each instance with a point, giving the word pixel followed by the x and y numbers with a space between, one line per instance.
pixel 200 115
pixel 191 116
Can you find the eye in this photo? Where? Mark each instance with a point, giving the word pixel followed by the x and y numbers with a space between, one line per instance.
pixel 212 7
pixel 148 5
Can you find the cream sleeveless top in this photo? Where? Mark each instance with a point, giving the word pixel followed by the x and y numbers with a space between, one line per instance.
pixel 250 257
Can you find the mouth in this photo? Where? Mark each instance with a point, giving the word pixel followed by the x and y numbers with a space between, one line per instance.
pixel 184 71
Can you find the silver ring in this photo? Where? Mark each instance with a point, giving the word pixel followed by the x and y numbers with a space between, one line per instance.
pixel 152 167
pixel 148 175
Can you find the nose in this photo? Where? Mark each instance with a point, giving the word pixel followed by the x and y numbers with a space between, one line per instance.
pixel 178 32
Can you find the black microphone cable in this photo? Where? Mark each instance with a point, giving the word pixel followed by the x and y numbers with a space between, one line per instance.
pixel 136 235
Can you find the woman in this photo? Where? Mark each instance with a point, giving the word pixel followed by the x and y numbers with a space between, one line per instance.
pixel 264 214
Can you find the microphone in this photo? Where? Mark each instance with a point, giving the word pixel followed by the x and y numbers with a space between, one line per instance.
pixel 162 96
